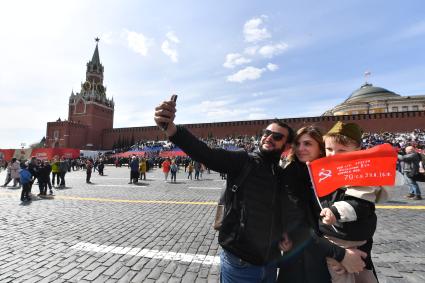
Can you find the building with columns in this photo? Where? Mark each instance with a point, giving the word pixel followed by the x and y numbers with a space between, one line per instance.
pixel 369 99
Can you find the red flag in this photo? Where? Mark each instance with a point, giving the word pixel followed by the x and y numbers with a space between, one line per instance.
pixel 372 167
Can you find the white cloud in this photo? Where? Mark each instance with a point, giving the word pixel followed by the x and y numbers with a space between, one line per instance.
pixel 172 37
pixel 269 51
pixel 170 52
pixel 272 67
pixel 251 50
pixel 249 73
pixel 169 46
pixel 138 42
pixel 253 30
pixel 235 59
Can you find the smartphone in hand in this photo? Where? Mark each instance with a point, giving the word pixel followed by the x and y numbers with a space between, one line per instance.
pixel 164 126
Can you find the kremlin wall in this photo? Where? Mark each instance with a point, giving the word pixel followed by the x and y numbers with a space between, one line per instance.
pixel 90 118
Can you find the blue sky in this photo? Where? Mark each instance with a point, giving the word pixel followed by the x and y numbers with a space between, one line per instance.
pixel 227 60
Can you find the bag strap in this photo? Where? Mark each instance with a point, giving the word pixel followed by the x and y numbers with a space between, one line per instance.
pixel 242 175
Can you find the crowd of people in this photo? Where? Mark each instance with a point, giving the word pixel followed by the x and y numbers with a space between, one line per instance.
pixel 400 140
pixel 47 174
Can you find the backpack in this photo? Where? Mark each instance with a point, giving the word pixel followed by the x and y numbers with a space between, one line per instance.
pixel 173 168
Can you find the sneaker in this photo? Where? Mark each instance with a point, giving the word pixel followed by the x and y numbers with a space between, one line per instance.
pixel 51 192
pixel 409 196
pixel 417 198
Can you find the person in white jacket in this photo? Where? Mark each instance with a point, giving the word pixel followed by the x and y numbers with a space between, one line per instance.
pixel 15 167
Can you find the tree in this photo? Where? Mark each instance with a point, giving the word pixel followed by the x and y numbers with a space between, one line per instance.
pixel 39 144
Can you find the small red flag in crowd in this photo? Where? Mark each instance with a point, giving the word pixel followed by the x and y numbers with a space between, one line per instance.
pixel 371 167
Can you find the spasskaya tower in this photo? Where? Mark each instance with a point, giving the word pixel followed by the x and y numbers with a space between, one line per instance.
pixel 89 112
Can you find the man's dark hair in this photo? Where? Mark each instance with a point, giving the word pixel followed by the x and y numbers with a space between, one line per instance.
pixel 291 132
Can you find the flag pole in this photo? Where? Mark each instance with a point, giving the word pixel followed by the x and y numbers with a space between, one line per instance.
pixel 315 192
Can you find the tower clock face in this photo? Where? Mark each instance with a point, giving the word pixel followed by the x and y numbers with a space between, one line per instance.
pixel 86 85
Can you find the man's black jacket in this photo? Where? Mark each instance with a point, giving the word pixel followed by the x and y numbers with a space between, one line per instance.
pixel 262 194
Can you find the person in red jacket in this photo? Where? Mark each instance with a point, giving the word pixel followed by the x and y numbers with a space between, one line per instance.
pixel 166 168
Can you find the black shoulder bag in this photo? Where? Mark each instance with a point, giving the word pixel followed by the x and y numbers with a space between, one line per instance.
pixel 228 199
pixel 234 216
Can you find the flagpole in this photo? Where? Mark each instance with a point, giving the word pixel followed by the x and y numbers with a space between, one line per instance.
pixel 315 192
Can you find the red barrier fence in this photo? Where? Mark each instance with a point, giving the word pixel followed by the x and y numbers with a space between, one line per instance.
pixel 40 153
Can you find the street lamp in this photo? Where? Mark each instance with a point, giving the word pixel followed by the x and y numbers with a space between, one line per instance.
pixel 22 150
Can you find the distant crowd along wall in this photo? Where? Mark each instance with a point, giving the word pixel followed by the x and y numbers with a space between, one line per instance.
pixel 39 153
pixel 375 123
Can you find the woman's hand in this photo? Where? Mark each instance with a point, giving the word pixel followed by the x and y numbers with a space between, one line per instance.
pixel 335 266
pixel 353 260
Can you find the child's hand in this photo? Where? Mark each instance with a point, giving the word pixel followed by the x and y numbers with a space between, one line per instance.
pixel 328 216
pixel 285 243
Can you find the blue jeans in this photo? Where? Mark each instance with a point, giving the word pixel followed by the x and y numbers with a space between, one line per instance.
pixel 235 270
pixel 413 186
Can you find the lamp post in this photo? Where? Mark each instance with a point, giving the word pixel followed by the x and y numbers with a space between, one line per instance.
pixel 22 150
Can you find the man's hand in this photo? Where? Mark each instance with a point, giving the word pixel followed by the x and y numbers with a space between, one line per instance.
pixel 328 216
pixel 353 260
pixel 165 113
pixel 285 243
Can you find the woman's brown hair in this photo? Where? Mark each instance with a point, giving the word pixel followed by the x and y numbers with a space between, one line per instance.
pixel 315 133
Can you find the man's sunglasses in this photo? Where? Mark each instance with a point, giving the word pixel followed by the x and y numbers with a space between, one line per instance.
pixel 275 136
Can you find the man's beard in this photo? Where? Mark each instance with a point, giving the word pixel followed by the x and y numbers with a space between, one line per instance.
pixel 271 154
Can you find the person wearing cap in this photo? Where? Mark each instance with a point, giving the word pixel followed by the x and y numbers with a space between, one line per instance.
pixel 349 218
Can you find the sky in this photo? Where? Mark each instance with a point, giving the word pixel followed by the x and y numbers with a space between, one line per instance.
pixel 226 60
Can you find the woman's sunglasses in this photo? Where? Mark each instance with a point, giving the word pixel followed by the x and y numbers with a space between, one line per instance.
pixel 275 136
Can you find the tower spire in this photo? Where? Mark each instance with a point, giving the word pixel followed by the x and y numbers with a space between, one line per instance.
pixel 95 59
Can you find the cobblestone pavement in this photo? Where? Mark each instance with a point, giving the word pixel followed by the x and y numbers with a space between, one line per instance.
pixel 112 231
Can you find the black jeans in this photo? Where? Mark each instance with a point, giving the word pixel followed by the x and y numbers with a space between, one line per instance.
pixel 57 175
pixel 88 176
pixel 26 188
pixel 62 176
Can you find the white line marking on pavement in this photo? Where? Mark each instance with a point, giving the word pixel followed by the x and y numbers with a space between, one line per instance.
pixel 123 185
pixel 207 188
pixel 184 257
